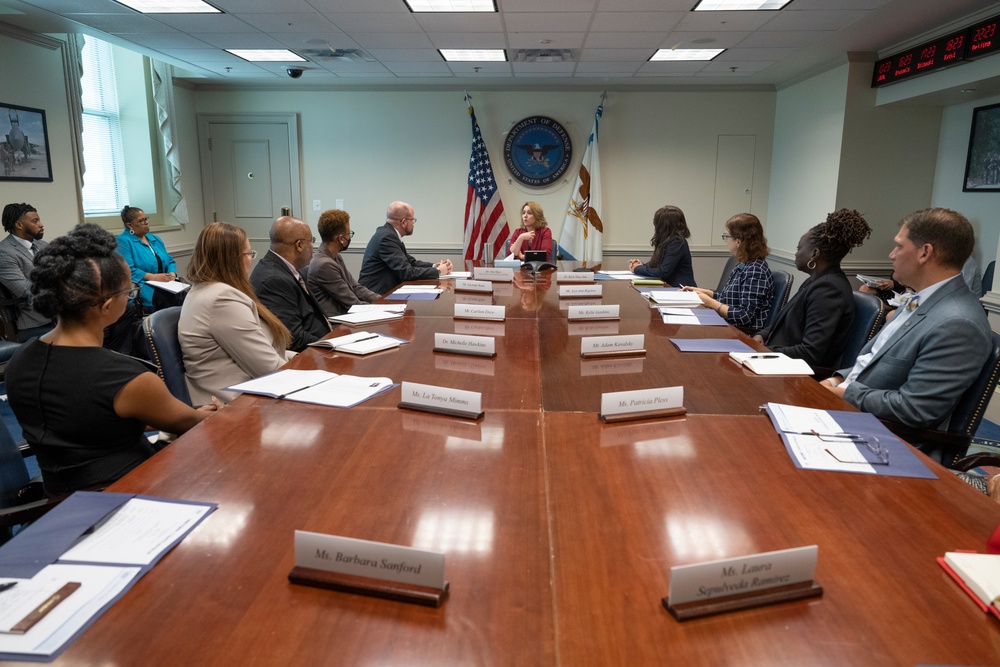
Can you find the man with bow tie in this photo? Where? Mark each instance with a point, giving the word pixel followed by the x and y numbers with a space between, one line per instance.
pixel 923 360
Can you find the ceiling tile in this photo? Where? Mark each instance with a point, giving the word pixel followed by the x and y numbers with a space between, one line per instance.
pixel 373 22
pixel 392 40
pixel 545 40
pixel 315 40
pixel 547 21
pixel 703 40
pixel 199 23
pixel 772 55
pixel 815 20
pixel 783 38
pixel 607 67
pixel 465 22
pixel 241 7
pixel 742 67
pixel 382 6
pixel 472 40
pixel 433 69
pixel 205 56
pixel 542 68
pixel 256 40
pixel 347 67
pixel 116 23
pixel 623 40
pixel 635 21
pixel 170 40
pixel 485 69
pixel 549 6
pixel 686 67
pixel 645 5
pixel 615 55
pixel 724 21
pixel 291 22
pixel 82 6
pixel 405 55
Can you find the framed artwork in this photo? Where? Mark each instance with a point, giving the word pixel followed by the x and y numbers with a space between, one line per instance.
pixel 982 166
pixel 24 144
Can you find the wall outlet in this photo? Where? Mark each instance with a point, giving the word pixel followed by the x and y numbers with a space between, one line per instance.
pixel 316 205
pixel 340 204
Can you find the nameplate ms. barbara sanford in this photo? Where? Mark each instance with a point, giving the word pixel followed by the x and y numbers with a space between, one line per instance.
pixel 574 277
pixel 479 346
pixel 467 311
pixel 642 400
pixel 595 289
pixel 744 574
pixel 375 560
pixel 595 346
pixel 501 274
pixel 473 286
pixel 609 312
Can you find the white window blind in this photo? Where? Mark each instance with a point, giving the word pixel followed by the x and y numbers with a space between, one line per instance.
pixel 105 190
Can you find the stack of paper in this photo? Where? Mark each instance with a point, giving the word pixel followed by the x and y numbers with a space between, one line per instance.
pixel 616 275
pixel 415 293
pixel 369 307
pixel 367 316
pixel 358 343
pixel 318 387
pixel 675 298
pixel 696 316
pixel 457 274
pixel 172 286
pixel 771 363
pixel 979 572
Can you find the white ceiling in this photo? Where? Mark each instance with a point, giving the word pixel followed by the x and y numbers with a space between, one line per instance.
pixel 610 41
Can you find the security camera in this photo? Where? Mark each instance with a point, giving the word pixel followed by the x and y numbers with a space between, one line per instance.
pixel 294 72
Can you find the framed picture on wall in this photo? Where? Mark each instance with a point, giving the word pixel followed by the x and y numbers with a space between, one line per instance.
pixel 24 144
pixel 982 166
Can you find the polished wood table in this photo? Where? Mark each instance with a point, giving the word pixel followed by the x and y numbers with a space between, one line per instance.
pixel 559 531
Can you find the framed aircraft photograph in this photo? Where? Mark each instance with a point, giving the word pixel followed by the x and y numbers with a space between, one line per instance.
pixel 24 144
pixel 982 166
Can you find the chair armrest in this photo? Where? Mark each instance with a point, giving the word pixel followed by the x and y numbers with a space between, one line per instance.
pixel 13 516
pixel 951 446
pixel 976 461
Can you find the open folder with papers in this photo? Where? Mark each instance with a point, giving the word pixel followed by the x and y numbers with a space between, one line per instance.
pixel 358 343
pixel 843 441
pixel 317 387
pixel 771 363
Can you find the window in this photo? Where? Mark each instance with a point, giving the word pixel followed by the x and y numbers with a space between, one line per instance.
pixel 105 188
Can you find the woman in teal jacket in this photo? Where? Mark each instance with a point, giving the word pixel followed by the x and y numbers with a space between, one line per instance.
pixel 145 253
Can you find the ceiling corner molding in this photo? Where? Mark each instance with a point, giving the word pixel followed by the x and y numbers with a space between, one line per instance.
pixel 44 41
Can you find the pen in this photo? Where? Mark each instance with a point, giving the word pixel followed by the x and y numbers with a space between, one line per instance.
pixel 7 586
pixel 763 356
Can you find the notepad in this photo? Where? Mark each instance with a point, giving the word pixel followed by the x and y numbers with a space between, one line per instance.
pixel 172 286
pixel 771 363
pixel 980 572
pixel 358 343
pixel 317 387
pixel 668 297
pixel 367 317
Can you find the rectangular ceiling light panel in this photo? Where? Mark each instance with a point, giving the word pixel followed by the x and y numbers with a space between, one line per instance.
pixel 452 5
pixel 170 6
pixel 739 5
pixel 473 55
pixel 684 54
pixel 267 55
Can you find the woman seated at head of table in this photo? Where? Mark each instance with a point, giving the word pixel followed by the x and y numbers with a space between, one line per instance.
pixel 534 232
pixel 147 258
pixel 227 336
pixel 815 324
pixel 671 261
pixel 84 408
pixel 745 301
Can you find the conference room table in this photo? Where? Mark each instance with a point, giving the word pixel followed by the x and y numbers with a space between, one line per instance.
pixel 559 531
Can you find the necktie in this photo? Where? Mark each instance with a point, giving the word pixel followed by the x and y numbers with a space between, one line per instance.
pixel 34 249
pixel 909 301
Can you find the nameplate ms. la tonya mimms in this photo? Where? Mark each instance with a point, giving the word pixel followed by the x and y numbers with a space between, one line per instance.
pixel 442 400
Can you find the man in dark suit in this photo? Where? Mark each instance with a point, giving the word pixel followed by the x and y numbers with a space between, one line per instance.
pixel 282 289
pixel 386 263
pixel 917 367
pixel 17 258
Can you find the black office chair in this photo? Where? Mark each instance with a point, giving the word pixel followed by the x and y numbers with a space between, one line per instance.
pixel 727 271
pixel 22 499
pixel 869 316
pixel 8 314
pixel 165 350
pixel 782 290
pixel 950 445
pixel 988 276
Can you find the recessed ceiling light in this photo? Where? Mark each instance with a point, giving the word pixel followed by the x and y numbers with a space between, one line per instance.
pixel 739 5
pixel 473 55
pixel 170 6
pixel 267 55
pixel 684 54
pixel 452 5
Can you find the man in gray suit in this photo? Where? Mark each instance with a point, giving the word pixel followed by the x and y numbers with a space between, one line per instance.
pixel 923 360
pixel 17 258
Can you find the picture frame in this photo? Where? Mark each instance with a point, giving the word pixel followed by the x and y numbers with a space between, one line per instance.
pixel 982 165
pixel 24 144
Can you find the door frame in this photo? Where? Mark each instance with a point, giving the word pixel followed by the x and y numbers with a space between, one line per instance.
pixel 290 120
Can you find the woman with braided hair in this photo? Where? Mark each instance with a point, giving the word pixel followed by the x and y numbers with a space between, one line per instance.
pixel 84 408
pixel 815 323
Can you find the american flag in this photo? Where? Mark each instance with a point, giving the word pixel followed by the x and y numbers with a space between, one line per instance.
pixel 485 221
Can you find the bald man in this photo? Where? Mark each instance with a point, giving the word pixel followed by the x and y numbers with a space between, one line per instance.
pixel 386 263
pixel 281 287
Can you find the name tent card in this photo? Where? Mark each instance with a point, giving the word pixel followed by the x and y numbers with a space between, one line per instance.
pixel 566 304
pixel 498 273
pixel 618 406
pixel 478 346
pixel 473 286
pixel 729 584
pixel 442 400
pixel 574 277
pixel 480 328
pixel 473 298
pixel 471 311
pixel 369 568
pixel 595 289
pixel 593 328
pixel 609 312
pixel 609 346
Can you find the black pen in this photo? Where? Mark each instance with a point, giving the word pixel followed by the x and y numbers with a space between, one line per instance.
pixel 7 586
pixel 763 356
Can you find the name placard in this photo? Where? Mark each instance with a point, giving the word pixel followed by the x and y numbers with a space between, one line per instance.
pixel 472 298
pixel 574 277
pixel 465 311
pixel 375 560
pixel 593 328
pixel 744 576
pixel 508 263
pixel 609 312
pixel 462 285
pixel 641 401
pixel 477 346
pixel 480 328
pixel 566 304
pixel 465 364
pixel 442 400
pixel 593 289
pixel 498 273
pixel 611 366
pixel 598 346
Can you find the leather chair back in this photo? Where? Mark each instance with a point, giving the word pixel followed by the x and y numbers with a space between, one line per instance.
pixel 782 290
pixel 971 406
pixel 165 350
pixel 988 276
pixel 869 316
pixel 727 270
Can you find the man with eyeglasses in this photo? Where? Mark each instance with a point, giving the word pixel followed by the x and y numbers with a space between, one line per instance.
pixel 329 280
pixel 17 258
pixel 281 287
pixel 386 263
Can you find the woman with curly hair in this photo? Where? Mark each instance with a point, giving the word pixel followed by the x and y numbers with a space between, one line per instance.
pixel 84 408
pixel 745 301
pixel 671 260
pixel 226 334
pixel 815 323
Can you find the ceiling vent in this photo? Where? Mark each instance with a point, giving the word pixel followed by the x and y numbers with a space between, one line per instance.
pixel 344 55
pixel 544 56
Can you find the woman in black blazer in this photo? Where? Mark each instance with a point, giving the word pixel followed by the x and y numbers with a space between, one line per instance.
pixel 815 323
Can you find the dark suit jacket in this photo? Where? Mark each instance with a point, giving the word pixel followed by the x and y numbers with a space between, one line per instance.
pixel 387 264
pixel 277 289
pixel 16 263
pixel 815 324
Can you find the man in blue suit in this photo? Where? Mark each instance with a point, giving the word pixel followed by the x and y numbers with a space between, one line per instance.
pixel 17 258
pixel 927 356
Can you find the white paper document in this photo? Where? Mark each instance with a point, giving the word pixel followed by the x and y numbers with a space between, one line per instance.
pixel 318 387
pixel 366 317
pixel 172 286
pixel 795 419
pixel 675 298
pixel 771 363
pixel 828 454
pixel 418 289
pixel 136 533
pixel 457 274
pixel 361 342
pixel 369 307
